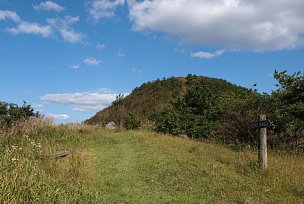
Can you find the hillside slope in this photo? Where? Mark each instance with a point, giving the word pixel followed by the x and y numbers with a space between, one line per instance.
pixel 158 94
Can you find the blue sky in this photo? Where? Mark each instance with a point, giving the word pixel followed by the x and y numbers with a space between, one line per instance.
pixel 70 58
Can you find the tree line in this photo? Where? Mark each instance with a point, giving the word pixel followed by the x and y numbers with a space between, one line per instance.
pixel 224 117
pixel 214 109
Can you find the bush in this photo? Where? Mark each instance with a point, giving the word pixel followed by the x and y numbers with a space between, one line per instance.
pixel 132 121
pixel 167 121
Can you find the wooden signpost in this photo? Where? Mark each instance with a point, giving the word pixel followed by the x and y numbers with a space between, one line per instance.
pixel 262 124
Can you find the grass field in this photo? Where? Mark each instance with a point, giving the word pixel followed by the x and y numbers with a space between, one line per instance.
pixel 141 167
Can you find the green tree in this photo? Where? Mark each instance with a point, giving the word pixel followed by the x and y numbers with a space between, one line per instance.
pixel 195 113
pixel 11 113
pixel 288 110
pixel 291 93
pixel 239 109
pixel 198 110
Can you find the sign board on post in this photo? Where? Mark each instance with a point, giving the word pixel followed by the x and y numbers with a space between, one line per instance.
pixel 262 124
pixel 259 124
pixel 263 144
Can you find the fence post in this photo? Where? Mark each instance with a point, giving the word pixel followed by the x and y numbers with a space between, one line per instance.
pixel 263 145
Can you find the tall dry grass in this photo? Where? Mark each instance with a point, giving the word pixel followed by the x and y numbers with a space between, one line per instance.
pixel 32 125
pixel 26 178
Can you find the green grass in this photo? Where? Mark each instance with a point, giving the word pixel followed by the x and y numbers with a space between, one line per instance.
pixel 143 167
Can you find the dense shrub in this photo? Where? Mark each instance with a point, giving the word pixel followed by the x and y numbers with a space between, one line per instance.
pixel 167 121
pixel 193 114
pixel 132 121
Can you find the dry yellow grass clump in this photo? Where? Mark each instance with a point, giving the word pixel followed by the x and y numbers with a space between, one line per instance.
pixel 31 125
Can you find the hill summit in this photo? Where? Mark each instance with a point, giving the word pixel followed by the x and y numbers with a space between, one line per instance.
pixel 153 96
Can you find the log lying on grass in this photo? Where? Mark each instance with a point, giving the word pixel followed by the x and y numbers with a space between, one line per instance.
pixel 55 155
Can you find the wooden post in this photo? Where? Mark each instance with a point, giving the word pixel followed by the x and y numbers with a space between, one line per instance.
pixel 263 145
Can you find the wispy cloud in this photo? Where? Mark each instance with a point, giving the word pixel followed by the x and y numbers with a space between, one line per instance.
pixel 207 55
pixel 23 26
pixel 100 46
pixel 49 6
pixel 99 9
pixel 90 101
pixel 133 69
pixel 63 26
pixel 75 66
pixel 9 15
pixel 31 28
pixel 92 61
pixel 120 53
pixel 71 35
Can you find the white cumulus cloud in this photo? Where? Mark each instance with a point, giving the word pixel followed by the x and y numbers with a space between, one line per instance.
pixel 207 55
pixel 90 101
pixel 92 61
pixel 49 6
pixel 99 9
pixel 242 24
pixel 58 117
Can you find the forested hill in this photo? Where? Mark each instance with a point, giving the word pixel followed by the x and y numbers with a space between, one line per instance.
pixel 152 96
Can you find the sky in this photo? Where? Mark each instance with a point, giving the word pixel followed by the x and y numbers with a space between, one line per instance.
pixel 69 58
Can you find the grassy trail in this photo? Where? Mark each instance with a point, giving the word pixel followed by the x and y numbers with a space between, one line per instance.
pixel 141 167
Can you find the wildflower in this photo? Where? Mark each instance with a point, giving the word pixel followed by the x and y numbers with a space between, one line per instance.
pixel 14 159
pixel 14 147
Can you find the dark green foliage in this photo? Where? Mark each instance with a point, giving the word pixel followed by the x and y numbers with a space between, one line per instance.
pixel 197 110
pixel 239 109
pixel 288 110
pixel 132 121
pixel 167 121
pixel 195 113
pixel 291 93
pixel 11 113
